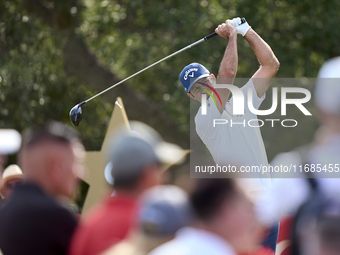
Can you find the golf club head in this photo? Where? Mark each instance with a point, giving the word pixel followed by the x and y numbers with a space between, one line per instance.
pixel 76 114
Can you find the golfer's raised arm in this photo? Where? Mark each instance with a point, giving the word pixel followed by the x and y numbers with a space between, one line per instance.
pixel 228 66
pixel 268 62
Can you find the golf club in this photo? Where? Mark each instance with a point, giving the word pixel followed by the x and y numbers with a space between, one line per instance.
pixel 76 112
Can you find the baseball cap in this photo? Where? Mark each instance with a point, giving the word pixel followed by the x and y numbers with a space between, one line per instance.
pixel 191 74
pixel 327 90
pixel 129 155
pixel 10 141
pixel 131 150
pixel 164 210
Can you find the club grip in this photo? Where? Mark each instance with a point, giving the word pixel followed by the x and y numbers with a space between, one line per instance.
pixel 243 20
pixel 209 36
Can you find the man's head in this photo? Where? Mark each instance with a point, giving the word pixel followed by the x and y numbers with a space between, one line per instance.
pixel 222 207
pixel 11 176
pixel 51 157
pixel 318 226
pixel 138 156
pixel 135 166
pixel 196 79
pixel 327 93
pixel 164 210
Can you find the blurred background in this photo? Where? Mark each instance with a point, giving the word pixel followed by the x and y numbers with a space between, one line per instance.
pixel 55 54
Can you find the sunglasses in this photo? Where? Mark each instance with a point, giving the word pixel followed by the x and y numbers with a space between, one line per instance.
pixel 12 185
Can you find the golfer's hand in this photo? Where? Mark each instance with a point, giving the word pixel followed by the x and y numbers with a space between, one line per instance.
pixel 240 28
pixel 225 30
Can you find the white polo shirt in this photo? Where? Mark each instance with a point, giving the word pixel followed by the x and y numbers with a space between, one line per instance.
pixel 233 143
pixel 193 241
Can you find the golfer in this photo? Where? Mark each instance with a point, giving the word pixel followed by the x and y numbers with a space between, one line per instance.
pixel 238 143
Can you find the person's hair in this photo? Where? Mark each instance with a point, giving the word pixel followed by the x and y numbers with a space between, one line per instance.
pixel 50 132
pixel 130 181
pixel 210 195
pixel 208 79
pixel 127 182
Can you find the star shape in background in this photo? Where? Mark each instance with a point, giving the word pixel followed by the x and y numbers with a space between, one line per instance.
pixel 95 161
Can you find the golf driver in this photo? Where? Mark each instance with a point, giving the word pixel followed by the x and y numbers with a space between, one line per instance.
pixel 76 112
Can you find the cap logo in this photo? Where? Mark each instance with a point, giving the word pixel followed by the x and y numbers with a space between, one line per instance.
pixel 188 73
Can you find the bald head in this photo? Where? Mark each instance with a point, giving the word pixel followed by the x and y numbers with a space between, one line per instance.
pixel 51 157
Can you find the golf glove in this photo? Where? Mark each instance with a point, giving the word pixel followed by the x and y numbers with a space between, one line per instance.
pixel 240 28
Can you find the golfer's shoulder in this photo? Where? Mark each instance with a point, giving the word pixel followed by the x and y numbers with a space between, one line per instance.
pixel 251 87
pixel 248 84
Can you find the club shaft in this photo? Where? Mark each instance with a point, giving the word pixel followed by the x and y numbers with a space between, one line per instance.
pixel 146 68
pixel 173 54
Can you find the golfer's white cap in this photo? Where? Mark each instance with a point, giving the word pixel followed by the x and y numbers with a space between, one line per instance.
pixel 327 90
pixel 10 141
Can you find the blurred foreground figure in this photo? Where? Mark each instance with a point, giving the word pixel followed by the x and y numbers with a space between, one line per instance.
pixel 328 229
pixel 164 210
pixel 318 227
pixel 291 196
pixel 10 141
pixel 11 176
pixel 33 221
pixel 136 158
pixel 224 220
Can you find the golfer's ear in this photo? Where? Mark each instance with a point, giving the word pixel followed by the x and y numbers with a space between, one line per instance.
pixel 189 95
pixel 212 75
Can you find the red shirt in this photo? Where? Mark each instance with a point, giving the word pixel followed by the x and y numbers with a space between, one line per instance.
pixel 105 225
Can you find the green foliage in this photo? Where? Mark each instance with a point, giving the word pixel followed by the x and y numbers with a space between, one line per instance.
pixel 34 87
